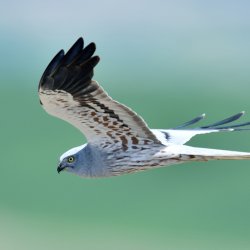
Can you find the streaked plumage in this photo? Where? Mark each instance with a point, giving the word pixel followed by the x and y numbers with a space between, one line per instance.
pixel 119 141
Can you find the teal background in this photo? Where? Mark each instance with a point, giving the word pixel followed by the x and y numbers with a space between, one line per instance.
pixel 169 61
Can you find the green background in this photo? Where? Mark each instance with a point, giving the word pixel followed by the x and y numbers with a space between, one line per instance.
pixel 169 61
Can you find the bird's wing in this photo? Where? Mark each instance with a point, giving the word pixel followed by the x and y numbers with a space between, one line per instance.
pixel 182 134
pixel 67 91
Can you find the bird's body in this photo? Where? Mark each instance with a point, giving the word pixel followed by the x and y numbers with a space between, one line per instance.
pixel 119 141
pixel 114 160
pixel 99 162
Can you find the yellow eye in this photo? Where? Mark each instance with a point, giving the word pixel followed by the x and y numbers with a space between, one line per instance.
pixel 70 159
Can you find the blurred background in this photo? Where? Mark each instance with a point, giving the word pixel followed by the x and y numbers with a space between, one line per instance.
pixel 168 60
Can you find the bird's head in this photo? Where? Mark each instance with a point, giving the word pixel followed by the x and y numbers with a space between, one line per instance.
pixel 71 160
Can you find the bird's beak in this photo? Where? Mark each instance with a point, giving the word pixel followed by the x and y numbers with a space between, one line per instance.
pixel 60 168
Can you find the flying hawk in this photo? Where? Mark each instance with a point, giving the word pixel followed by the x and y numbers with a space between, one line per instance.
pixel 119 141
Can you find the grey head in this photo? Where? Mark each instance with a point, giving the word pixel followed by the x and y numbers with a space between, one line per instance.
pixel 85 161
pixel 75 161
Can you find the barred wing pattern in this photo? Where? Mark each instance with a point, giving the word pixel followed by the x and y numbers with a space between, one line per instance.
pixel 67 91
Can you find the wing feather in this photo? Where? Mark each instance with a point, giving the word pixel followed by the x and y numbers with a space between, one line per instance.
pixel 67 91
pixel 181 134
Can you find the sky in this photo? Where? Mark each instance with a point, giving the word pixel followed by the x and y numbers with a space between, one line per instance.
pixel 168 60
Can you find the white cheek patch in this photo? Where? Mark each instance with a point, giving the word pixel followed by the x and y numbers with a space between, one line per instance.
pixel 72 151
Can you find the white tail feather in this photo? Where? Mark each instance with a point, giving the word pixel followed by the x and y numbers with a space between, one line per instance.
pixel 187 153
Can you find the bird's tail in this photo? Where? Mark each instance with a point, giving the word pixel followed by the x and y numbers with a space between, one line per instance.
pixel 187 153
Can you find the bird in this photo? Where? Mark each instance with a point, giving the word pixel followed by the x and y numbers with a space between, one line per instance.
pixel 118 140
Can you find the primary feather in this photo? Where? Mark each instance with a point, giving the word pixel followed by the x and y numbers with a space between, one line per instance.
pixel 182 134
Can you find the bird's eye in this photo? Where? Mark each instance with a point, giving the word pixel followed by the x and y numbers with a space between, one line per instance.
pixel 71 159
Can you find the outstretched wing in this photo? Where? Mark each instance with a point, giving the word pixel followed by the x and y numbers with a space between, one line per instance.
pixel 67 91
pixel 182 134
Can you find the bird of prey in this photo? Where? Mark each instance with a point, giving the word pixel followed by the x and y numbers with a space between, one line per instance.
pixel 119 140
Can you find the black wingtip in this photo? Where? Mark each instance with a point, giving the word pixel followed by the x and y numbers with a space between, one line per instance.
pixel 193 121
pixel 80 39
pixel 78 43
pixel 95 60
pixel 86 53
pixel 72 71
pixel 53 65
pixel 225 121
pixel 92 45
pixel 73 53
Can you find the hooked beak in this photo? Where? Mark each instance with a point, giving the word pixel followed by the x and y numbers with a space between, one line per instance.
pixel 60 168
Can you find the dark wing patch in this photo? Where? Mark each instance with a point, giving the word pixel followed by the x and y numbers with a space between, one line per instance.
pixel 71 72
pixel 67 91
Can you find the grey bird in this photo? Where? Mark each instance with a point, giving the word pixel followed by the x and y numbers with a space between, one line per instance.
pixel 119 141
